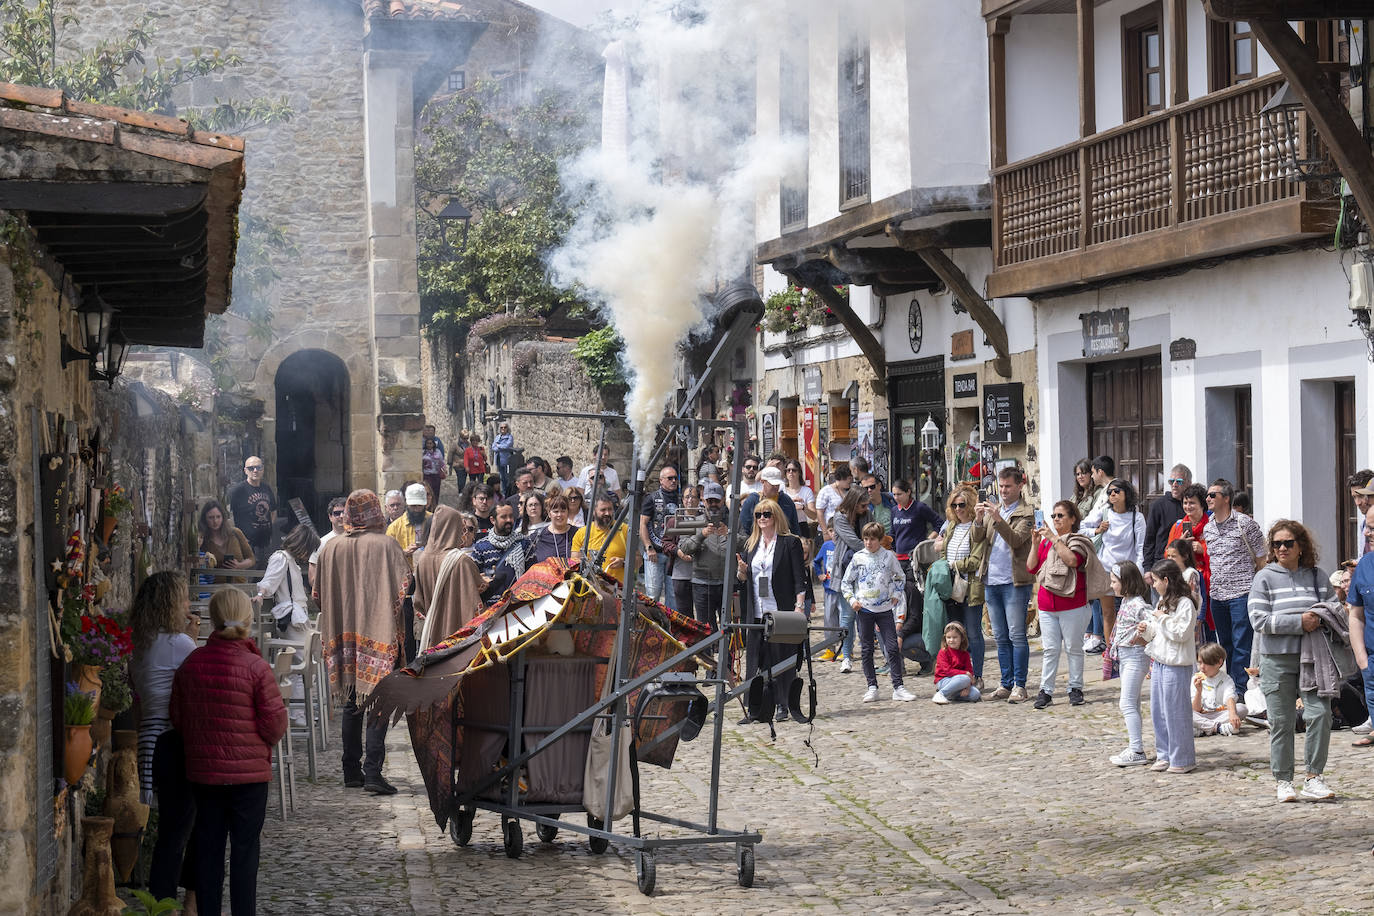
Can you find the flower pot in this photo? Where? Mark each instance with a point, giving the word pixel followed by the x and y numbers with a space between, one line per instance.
pixel 123 804
pixel 98 897
pixel 101 727
pixel 107 527
pixel 76 753
pixel 87 678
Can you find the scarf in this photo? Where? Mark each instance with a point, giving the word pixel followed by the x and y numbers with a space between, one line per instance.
pixel 511 548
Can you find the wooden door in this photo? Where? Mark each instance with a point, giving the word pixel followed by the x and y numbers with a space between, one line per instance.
pixel 1126 418
pixel 1348 524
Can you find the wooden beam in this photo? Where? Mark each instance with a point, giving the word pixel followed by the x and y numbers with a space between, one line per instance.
pixel 1087 75
pixel 863 335
pixel 1348 147
pixel 1287 10
pixel 997 88
pixel 1176 50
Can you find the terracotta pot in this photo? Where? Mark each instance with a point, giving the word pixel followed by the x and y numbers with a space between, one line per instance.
pixel 122 803
pixel 76 753
pixel 107 527
pixel 87 678
pixel 100 728
pixel 98 897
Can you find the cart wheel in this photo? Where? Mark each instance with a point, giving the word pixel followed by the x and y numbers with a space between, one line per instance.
pixel 598 844
pixel 547 832
pixel 744 866
pixel 514 839
pixel 460 826
pixel 644 872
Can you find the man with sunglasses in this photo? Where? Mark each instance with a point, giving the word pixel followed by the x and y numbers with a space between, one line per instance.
pixel 336 520
pixel 659 506
pixel 254 507
pixel 750 478
pixel 1235 550
pixel 1164 512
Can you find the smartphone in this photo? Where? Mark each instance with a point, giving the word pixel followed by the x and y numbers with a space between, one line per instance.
pixel 1039 518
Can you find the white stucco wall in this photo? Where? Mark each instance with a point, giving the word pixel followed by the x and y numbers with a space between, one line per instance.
pixel 890 100
pixel 1042 84
pixel 947 59
pixel 1278 324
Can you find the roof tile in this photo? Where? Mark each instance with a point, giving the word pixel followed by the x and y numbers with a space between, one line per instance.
pixel 416 9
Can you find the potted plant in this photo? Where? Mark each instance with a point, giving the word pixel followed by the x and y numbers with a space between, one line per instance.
pixel 116 502
pixel 78 710
pixel 116 695
pixel 97 640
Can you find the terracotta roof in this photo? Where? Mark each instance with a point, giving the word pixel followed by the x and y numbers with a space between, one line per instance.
pixel 417 9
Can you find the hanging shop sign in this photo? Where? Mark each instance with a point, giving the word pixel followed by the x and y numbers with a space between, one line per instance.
pixel 811 384
pixel 966 385
pixel 1107 332
pixel 1004 419
pixel 961 345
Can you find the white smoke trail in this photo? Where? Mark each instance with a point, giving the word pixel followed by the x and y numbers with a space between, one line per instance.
pixel 666 214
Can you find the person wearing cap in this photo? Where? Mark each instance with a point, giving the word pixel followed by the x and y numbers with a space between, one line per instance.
pixel 1361 485
pixel 658 507
pixel 405 528
pixel 707 552
pixel 770 487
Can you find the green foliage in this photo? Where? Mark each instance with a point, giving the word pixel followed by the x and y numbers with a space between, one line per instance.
pixel 496 148
pixel 795 309
pixel 148 905
pixel 116 694
pixel 18 243
pixel 78 708
pixel 599 353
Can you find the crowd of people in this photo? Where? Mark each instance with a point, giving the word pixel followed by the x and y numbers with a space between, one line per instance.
pixel 1234 627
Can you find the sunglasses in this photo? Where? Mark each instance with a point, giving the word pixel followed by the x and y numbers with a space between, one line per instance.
pixel 958 505
pixel 252 467
pixel 751 467
pixel 1059 515
pixel 1111 490
pixel 1283 543
pixel 1174 480
pixel 763 515
pixel 338 513
pixel 1214 496
pixel 870 486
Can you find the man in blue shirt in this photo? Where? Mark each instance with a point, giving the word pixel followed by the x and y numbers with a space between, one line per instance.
pixel 1359 601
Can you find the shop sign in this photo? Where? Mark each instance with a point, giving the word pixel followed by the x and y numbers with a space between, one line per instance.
pixel 961 345
pixel 769 432
pixel 966 385
pixel 1107 332
pixel 908 431
pixel 1003 414
pixel 811 384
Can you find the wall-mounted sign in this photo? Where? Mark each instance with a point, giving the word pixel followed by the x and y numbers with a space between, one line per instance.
pixel 1183 348
pixel 966 385
pixel 1107 332
pixel 908 431
pixel 1004 418
pixel 961 345
pixel 811 384
pixel 769 427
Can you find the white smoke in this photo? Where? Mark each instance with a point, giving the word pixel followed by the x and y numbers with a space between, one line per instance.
pixel 666 205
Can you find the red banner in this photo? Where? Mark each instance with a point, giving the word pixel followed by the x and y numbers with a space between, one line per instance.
pixel 811 450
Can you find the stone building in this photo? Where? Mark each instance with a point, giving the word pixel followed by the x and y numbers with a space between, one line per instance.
pixel 78 182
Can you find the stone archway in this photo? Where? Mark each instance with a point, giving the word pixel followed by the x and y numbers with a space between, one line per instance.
pixel 312 429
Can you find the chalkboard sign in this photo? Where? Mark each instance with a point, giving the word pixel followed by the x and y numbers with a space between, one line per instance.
pixel 1004 418
pixel 966 386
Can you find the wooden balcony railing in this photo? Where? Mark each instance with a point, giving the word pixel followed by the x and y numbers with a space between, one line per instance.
pixel 1208 157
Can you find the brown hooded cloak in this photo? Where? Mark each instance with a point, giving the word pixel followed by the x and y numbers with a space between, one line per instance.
pixel 456 600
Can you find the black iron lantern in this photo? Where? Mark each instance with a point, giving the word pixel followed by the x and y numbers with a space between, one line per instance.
pixel 1283 120
pixel 453 212
pixel 110 363
pixel 95 317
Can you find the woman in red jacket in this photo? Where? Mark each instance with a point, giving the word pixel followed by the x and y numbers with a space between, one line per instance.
pixel 230 712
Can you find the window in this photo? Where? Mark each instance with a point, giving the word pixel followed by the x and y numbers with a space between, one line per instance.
pixel 1245 444
pixel 794 100
pixel 457 81
pixel 853 118
pixel 1142 57
pixel 1231 50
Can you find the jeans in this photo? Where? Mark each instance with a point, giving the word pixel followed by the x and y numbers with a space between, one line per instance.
pixel 1279 681
pixel 234 813
pixel 971 616
pixel 352 728
pixel 1235 635
pixel 682 595
pixel 1095 625
pixel 706 600
pixel 176 808
pixel 656 577
pixel 1134 664
pixel 887 629
pixel 953 686
pixel 1171 713
pixel 833 602
pixel 1367 675
pixel 1062 630
pixel 847 613
pixel 1007 610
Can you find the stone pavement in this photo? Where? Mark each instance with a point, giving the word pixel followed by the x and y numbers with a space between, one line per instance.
pixel 914 808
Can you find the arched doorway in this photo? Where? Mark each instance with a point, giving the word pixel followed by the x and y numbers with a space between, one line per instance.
pixel 312 431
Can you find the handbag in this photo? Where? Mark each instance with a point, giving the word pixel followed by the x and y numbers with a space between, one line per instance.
pixel 596 772
pixel 958 587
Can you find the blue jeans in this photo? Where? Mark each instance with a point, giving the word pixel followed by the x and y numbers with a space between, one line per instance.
pixel 1235 635
pixel 1171 712
pixel 1367 674
pixel 655 578
pixel 887 631
pixel 847 613
pixel 971 616
pixel 1134 664
pixel 953 686
pixel 1007 610
pixel 1095 627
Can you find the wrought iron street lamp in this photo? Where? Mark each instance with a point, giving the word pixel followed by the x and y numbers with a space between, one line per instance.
pixel 1282 116
pixel 95 317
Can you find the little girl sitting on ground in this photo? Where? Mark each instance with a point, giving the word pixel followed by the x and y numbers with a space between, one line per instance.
pixel 954 668
pixel 1128 646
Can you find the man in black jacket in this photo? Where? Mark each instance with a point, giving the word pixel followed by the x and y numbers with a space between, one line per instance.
pixel 1163 513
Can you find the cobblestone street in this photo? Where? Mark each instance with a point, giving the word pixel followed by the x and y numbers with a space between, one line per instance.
pixel 913 808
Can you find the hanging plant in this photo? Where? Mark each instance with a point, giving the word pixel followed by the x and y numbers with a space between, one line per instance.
pixel 116 501
pixel 781 311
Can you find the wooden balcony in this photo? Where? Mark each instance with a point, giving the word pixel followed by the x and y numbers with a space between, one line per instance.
pixel 1200 180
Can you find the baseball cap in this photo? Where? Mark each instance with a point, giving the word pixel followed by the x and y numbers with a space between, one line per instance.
pixel 416 495
pixel 771 475
pixel 1367 490
pixel 712 490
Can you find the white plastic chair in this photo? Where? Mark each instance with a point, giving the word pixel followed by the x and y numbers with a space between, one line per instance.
pixel 286 763
pixel 307 652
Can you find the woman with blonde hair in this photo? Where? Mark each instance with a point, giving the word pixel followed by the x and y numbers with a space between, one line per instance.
pixel 230 713
pixel 773 567
pixel 965 558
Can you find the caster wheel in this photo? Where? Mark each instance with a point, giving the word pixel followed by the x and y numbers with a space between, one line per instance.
pixel 644 872
pixel 546 832
pixel 460 826
pixel 514 839
pixel 597 844
pixel 744 866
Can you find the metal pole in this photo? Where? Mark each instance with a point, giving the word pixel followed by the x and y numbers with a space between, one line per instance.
pixel 591 504
pixel 629 609
pixel 727 590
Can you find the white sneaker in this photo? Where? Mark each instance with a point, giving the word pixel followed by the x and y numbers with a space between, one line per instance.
pixel 939 698
pixel 1129 758
pixel 871 695
pixel 847 665
pixel 1364 728
pixel 1316 790
pixel 1285 792
pixel 1226 728
pixel 902 695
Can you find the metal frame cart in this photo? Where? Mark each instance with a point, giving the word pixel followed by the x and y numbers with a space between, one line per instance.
pixel 614 705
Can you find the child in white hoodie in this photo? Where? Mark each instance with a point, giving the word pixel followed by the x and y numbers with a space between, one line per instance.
pixel 873 585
